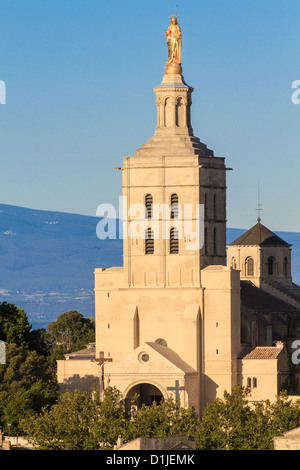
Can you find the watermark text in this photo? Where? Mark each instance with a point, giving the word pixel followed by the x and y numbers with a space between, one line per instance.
pixel 2 92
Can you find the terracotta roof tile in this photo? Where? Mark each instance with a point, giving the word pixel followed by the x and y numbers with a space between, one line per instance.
pixel 263 352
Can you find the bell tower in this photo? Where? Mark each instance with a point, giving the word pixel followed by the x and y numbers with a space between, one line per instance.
pixel 180 187
pixel 173 101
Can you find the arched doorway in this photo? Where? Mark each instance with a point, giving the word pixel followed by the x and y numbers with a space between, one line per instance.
pixel 147 394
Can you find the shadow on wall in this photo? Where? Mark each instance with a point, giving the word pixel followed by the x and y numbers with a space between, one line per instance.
pixel 210 389
pixel 84 384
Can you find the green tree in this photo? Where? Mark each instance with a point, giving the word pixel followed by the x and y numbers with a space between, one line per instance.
pixel 226 423
pixel 231 424
pixel 15 328
pixel 79 422
pixel 67 425
pixel 14 325
pixel 114 417
pixel 40 341
pixel 284 414
pixel 27 384
pixel 70 332
pixel 165 419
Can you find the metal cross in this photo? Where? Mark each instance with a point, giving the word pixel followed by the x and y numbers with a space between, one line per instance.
pixel 177 389
pixel 259 206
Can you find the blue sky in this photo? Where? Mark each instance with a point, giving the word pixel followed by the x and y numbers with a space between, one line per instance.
pixel 80 76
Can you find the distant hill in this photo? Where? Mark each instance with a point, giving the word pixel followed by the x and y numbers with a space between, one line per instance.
pixel 47 260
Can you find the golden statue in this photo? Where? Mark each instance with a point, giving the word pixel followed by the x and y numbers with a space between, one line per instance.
pixel 173 35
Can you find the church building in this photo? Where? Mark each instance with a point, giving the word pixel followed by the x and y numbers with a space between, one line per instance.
pixel 177 319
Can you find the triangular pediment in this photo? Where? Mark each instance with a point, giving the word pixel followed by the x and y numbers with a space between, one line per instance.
pixel 151 358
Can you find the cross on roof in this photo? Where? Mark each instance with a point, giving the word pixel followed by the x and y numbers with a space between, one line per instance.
pixel 259 206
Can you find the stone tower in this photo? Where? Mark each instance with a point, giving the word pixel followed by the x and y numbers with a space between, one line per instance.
pixel 174 170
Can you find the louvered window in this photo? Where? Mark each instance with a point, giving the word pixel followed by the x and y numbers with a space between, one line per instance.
pixel 149 242
pixel 148 204
pixel 174 242
pixel 174 206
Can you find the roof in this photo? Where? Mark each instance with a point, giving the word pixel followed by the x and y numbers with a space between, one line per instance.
pixel 264 352
pixel 292 290
pixel 261 236
pixel 257 299
pixel 87 353
pixel 171 356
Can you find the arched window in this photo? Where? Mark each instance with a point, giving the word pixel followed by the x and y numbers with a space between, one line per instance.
pixel 149 242
pixel 205 241
pixel 233 262
pixel 174 242
pixel 286 267
pixel 174 206
pixel 169 110
pixel 148 205
pixel 215 241
pixel 249 267
pixel 271 266
pixel 179 113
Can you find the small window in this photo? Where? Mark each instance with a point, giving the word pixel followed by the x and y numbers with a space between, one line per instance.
pixel 249 267
pixel 233 262
pixel 271 266
pixel 149 242
pixel 206 206
pixel 249 382
pixel 174 242
pixel 215 241
pixel 286 267
pixel 217 325
pixel 148 205
pixel 174 206
pixel 108 325
pixel 217 351
pixel 215 207
pixel 205 241
pixel 254 382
